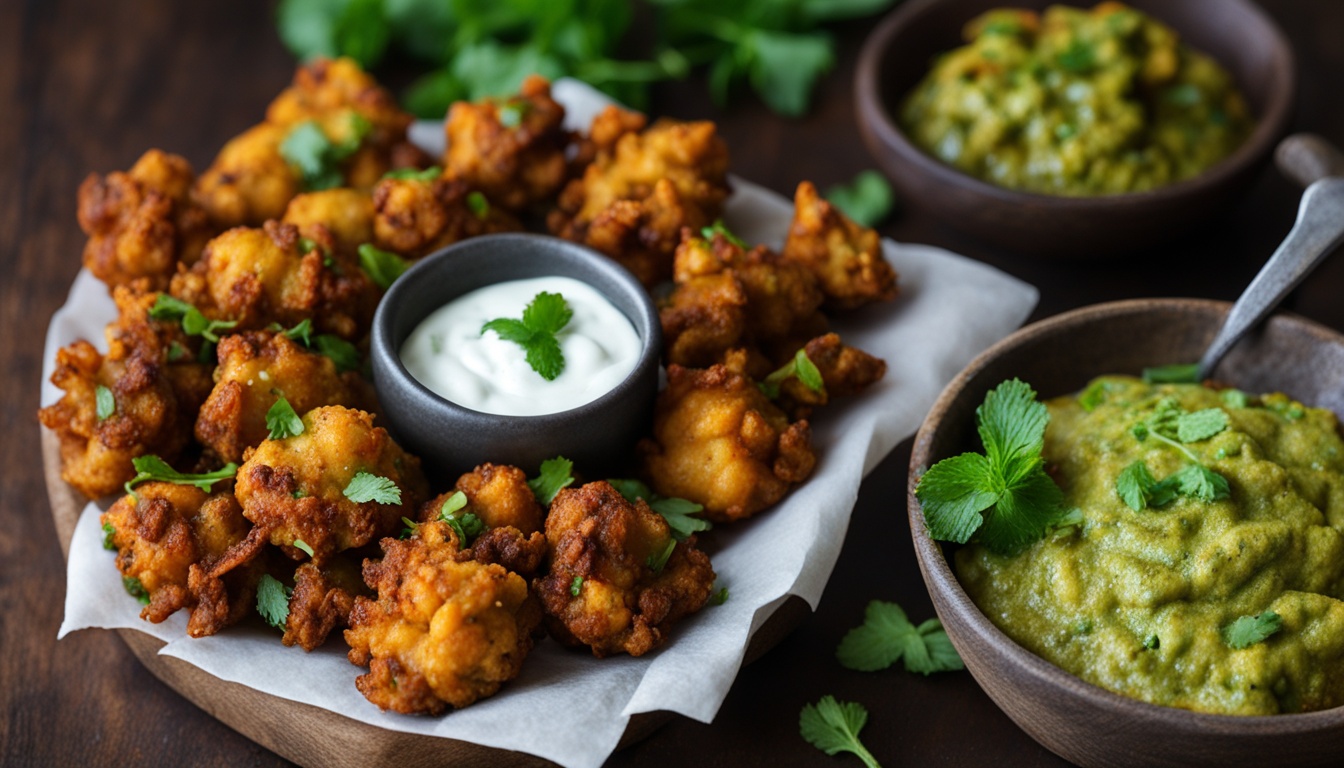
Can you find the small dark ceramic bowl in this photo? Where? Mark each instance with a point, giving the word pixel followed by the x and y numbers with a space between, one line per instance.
pixel 1081 722
pixel 901 51
pixel 451 438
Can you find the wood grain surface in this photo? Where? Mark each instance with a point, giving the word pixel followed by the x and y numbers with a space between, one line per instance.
pixel 88 86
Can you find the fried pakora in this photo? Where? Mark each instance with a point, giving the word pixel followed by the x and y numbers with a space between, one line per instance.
pixel 617 579
pixel 442 631
pixel 255 370
pixel 161 533
pixel 252 180
pixel 142 223
pixel 256 277
pixel 642 188
pixel 844 370
pixel 339 219
pixel 414 217
pixel 321 601
pixel 298 490
pixel 499 495
pixel 718 441
pixel 182 359
pixel 506 512
pixel 513 150
pixel 846 258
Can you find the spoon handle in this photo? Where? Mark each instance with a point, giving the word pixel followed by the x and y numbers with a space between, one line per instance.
pixel 1319 228
pixel 1306 157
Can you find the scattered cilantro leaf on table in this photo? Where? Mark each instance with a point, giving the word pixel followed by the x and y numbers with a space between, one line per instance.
pixel 273 601
pixel 679 513
pixel 554 475
pixel 1249 630
pixel 365 487
pixel 833 727
pixel 719 597
pixel 886 635
pixel 545 316
pixel 1003 497
pixel 152 468
pixel 868 199
pixel 282 421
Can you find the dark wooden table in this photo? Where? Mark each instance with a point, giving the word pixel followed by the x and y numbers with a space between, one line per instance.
pixel 90 85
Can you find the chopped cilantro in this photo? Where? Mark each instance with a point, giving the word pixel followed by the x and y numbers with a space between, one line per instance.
pixel 719 597
pixel 316 157
pixel 303 546
pixel 468 526
pixel 868 199
pixel 135 589
pixel 543 318
pixel 193 322
pixel 1235 398
pixel 273 601
pixel 109 532
pixel 554 475
pixel 282 421
pixel 382 267
pixel 658 560
pixel 409 527
pixel 1080 58
pixel 833 727
pixel 511 113
pixel 151 467
pixel 679 513
pixel 341 352
pixel 800 367
pixel 575 586
pixel 308 245
pixel 887 635
pixel 1008 481
pixel 177 352
pixel 301 332
pixel 1249 630
pixel 104 403
pixel 364 487
pixel 1152 643
pixel 414 174
pixel 478 204
pixel 719 228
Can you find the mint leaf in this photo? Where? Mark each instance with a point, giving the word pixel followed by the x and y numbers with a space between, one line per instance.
pixel 1135 485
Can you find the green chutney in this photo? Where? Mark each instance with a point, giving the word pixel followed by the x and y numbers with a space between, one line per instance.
pixel 1076 102
pixel 1137 602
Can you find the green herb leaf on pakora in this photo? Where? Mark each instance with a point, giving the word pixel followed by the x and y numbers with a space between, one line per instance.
pixel 316 157
pixel 576 586
pixel 152 468
pixel 415 174
pixel 1249 630
pixel 478 204
pixel 545 316
pixel 468 526
pixel 719 228
pixel 104 403
pixel 833 727
pixel 867 200
pixel 135 589
pixel 304 547
pixel 382 267
pixel 282 421
pixel 273 601
pixel 193 322
pixel 800 367
pixel 109 533
pixel 886 635
pixel 301 332
pixel 679 513
pixel 555 474
pixel 658 560
pixel 342 353
pixel 365 487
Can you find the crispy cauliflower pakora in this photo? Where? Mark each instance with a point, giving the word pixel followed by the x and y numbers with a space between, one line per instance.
pixel 321 601
pixel 718 441
pixel 415 217
pixel 163 534
pixel 513 149
pixel 256 277
pixel 642 188
pixel 340 219
pixel 141 224
pixel 294 489
pixel 500 496
pixel 617 580
pixel 442 631
pixel 251 180
pixel 844 370
pixel 255 370
pixel 846 258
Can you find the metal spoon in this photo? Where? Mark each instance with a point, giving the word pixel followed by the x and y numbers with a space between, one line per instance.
pixel 1312 162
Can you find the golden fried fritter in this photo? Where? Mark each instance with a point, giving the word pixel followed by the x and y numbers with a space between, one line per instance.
pixel 513 150
pixel 844 370
pixel 612 584
pixel 141 224
pixel 718 441
pixel 255 370
pixel 321 601
pixel 727 297
pixel 499 495
pixel 179 355
pixel 162 532
pixel 96 453
pixel 442 631
pixel 261 276
pixel 251 181
pixel 846 258
pixel 642 188
pixel 414 217
pixel 341 219
pixel 294 489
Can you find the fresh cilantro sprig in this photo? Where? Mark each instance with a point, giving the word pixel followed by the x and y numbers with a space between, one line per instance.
pixel 886 635
pixel 1249 630
pixel 382 267
pixel 414 174
pixel 555 474
pixel 468 526
pixel 1171 424
pixel 342 353
pixel 273 601
pixel 104 403
pixel 364 487
pixel 545 316
pixel 868 199
pixel 800 367
pixel 1003 497
pixel 282 421
pixel 679 513
pixel 833 727
pixel 316 157
pixel 152 468
pixel 193 322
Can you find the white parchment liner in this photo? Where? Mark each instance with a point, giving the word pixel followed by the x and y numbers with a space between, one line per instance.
pixel 567 706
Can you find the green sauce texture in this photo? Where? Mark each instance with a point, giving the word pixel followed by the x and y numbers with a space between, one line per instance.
pixel 1137 602
pixel 1076 102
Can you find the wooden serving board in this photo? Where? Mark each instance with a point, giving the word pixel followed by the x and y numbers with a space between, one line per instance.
pixel 312 736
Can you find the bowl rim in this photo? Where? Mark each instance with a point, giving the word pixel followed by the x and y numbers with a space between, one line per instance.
pixel 875 116
pixel 938 574
pixel 384 352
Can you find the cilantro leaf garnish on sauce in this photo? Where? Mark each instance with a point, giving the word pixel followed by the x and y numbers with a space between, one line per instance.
pixel 1249 630
pixel 542 319
pixel 833 727
pixel 1171 424
pixel 1003 497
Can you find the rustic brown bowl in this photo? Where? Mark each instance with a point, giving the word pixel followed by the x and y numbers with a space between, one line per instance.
pixel 1076 720
pixel 900 52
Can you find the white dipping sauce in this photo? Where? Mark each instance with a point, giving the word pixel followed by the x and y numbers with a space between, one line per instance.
pixel 448 353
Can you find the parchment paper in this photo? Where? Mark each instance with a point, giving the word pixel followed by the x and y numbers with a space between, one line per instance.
pixel 567 706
